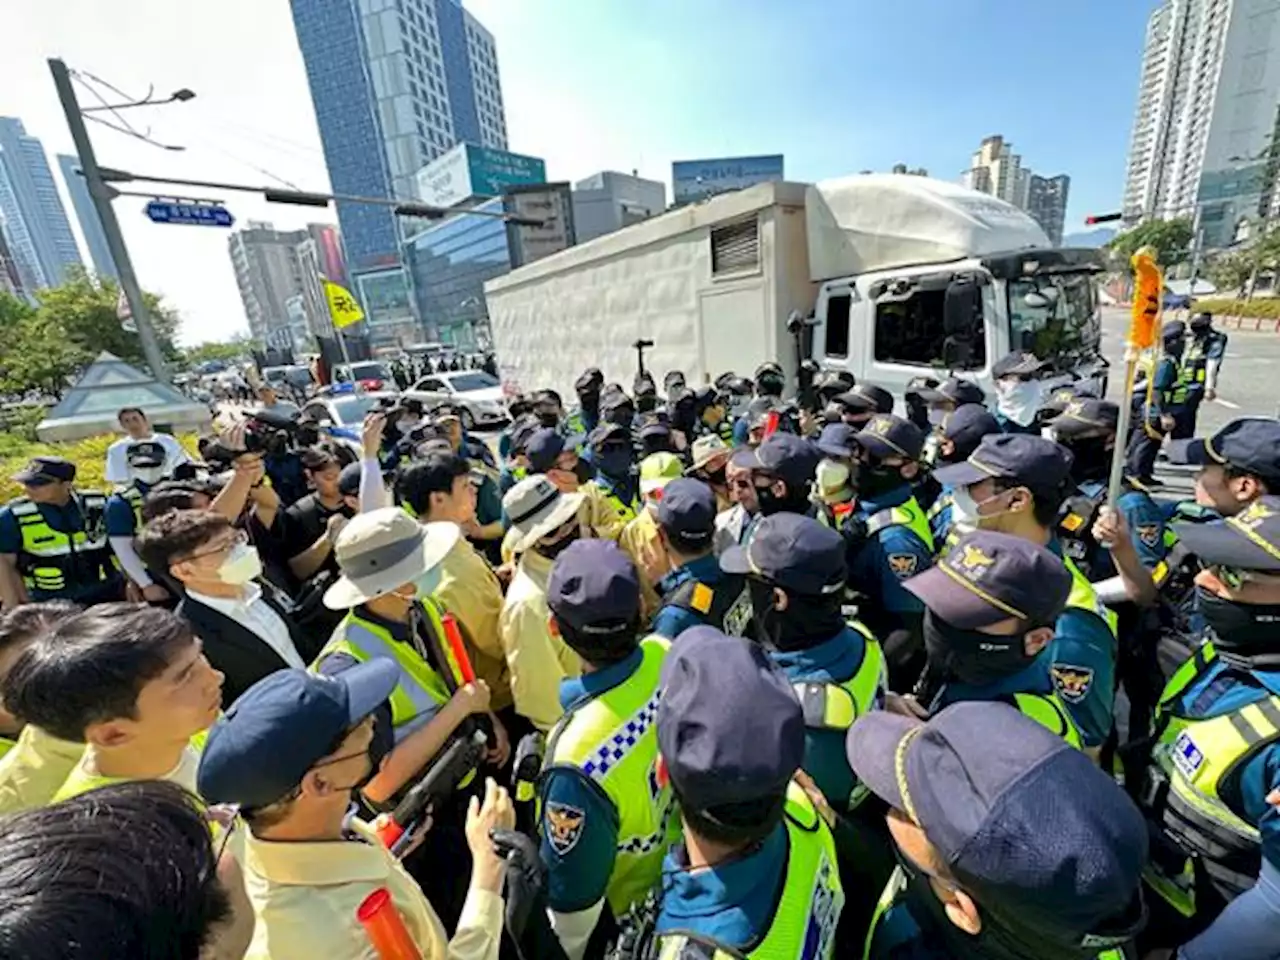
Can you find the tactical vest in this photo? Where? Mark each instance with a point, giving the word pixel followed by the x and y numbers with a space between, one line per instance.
pixel 611 739
pixel 420 692
pixel 1075 527
pixel 1195 363
pixel 896 888
pixel 49 560
pixel 1048 710
pixel 709 604
pixel 1195 766
pixel 834 705
pixel 1084 597
pixel 907 515
pixel 808 906
pixel 134 497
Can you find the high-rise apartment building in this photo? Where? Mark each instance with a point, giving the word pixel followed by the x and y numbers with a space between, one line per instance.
pixel 1206 113
pixel 1047 203
pixel 35 222
pixel 997 170
pixel 90 223
pixel 279 274
pixel 395 84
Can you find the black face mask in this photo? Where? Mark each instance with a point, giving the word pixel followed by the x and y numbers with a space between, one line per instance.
pixel 805 622
pixel 647 403
pixel 590 401
pixel 614 462
pixel 553 550
pixel 1244 633
pixel 622 415
pixel 875 480
pixel 971 657
pixel 1092 459
pixel 771 503
pixel 308 436
pixel 548 418
pixel 582 470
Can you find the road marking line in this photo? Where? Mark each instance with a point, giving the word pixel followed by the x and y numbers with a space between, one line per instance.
pixel 1226 403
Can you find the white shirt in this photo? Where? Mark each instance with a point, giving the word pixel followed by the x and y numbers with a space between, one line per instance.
pixel 256 615
pixel 118 466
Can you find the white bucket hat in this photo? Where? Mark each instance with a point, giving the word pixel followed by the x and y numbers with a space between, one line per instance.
pixel 535 507
pixel 385 549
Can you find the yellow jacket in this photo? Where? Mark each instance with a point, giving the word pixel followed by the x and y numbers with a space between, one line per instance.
pixel 599 514
pixel 538 660
pixel 470 591
pixel 32 772
pixel 305 895
pixel 639 538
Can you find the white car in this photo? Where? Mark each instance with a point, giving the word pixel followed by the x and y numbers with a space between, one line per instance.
pixel 479 395
pixel 345 412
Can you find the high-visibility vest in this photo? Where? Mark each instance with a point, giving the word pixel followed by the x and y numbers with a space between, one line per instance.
pixel 1195 763
pixel 909 515
pixel 611 739
pixel 134 497
pixel 420 691
pixel 1084 597
pixel 50 560
pixel 1193 369
pixel 626 511
pixel 893 892
pixel 1048 710
pixel 6 745
pixel 808 909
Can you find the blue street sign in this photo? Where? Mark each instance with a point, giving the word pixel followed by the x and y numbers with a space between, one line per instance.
pixel 195 214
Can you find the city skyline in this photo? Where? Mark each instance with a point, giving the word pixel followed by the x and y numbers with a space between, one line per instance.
pixel 692 92
pixel 34 219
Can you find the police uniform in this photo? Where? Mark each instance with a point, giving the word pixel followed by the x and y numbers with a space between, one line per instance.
pixel 604 823
pixel 587 415
pixel 62 551
pixel 963 428
pixel 1198 372
pixel 698 591
pixel 1164 396
pixel 1046 844
pixel 1216 755
pixel 731 731
pixel 614 470
pixel 1081 658
pixel 703 400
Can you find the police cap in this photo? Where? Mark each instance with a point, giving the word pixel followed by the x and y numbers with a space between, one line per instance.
pixel 42 470
pixel 1248 541
pixel 1019 363
pixel 1045 842
pixel 794 552
pixel 839 440
pixel 966 425
pixel 147 453
pixel 607 433
pixel 1250 445
pixel 867 398
pixel 590 381
pixel 956 390
pixel 1085 415
pixel 594 586
pixel 885 435
pixel 793 460
pixel 1026 460
pixel 1173 330
pixel 545 445
pixel 687 510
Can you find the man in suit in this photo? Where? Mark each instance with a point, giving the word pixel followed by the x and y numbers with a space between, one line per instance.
pixel 246 624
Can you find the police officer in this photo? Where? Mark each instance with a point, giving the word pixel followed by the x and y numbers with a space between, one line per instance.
pixel 1012 845
pixel 1016 484
pixel 613 456
pixel 829 385
pixel 863 402
pixel 1238 464
pixel 146 463
pixel 1018 390
pixel 731 737
pixel 898 543
pixel 1158 405
pixel 53 540
pixel 991 603
pixel 834 483
pixel 1198 372
pixel 695 591
pixel 711 408
pixel 951 442
pixel 587 416
pixel 782 470
pixel 769 385
pixel 603 828
pixel 1216 753
pixel 952 393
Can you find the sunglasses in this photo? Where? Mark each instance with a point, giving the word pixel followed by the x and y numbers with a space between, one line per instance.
pixel 1233 578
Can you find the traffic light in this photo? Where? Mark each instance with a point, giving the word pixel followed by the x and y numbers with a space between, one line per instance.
pixel 1103 218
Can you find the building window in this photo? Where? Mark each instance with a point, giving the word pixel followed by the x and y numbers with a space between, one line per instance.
pixel 735 247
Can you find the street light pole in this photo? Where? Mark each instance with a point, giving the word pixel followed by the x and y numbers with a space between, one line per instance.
pixel 101 195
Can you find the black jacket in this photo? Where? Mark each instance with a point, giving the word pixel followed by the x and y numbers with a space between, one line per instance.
pixel 243 656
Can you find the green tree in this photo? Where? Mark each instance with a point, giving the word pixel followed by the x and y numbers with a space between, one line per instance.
pixel 1230 270
pixel 38 354
pixel 1171 239
pixel 238 346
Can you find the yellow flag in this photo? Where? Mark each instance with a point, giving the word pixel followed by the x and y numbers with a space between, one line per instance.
pixel 343 308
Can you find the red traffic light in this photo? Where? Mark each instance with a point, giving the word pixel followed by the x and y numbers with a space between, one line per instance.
pixel 1103 218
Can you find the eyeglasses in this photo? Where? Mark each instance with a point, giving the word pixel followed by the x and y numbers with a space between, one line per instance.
pixel 240 539
pixel 1233 578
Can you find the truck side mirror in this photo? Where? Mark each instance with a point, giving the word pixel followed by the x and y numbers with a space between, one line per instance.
pixel 962 309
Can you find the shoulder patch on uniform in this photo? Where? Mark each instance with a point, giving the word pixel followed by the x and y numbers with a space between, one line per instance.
pixel 702 597
pixel 1149 533
pixel 564 826
pixel 1072 522
pixel 903 565
pixel 1072 682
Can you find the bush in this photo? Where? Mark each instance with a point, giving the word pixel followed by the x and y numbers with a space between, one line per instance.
pixel 1266 308
pixel 89 456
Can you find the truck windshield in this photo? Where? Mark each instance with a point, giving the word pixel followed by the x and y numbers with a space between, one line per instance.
pixel 1054 316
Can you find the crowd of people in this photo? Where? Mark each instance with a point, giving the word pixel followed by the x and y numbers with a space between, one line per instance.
pixel 698 673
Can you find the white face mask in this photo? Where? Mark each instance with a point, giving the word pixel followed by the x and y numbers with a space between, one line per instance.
pixel 964 509
pixel 1018 400
pixel 148 475
pixel 241 565
pixel 832 484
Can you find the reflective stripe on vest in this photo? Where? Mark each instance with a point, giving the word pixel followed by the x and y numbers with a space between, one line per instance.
pixel 47 554
pixel 1050 712
pixel 808 911
pixel 834 706
pixel 611 738
pixel 1195 362
pixel 420 692
pixel 1193 760
pixel 1084 597
pixel 907 515
pixel 134 497
pixel 626 511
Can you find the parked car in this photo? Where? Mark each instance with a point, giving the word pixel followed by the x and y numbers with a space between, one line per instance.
pixel 341 415
pixel 479 395
pixel 370 374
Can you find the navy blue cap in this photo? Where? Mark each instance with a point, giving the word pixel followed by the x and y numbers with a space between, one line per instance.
pixel 262 747
pixel 838 440
pixel 1248 541
pixel 613 396
pixel 1019 363
pixel 794 552
pixel 1251 444
pixel 956 390
pixel 594 584
pixel 967 424
pixel 654 427
pixel 868 398
pixel 885 435
pixel 606 432
pixel 1084 415
pixel 730 728
pixel 545 445
pixel 1044 841
pixel 1173 329
pixel 145 453
pixel 349 480
pixel 590 379
pixel 793 460
pixel 1027 460
pixel 688 510
pixel 521 431
pixel 988 577
pixel 42 470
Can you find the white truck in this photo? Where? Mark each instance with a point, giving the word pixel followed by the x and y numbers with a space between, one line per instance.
pixel 895 276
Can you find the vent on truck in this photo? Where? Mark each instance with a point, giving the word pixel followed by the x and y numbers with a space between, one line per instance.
pixel 735 247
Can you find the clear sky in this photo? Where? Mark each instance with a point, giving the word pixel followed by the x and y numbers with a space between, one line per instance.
pixel 837 86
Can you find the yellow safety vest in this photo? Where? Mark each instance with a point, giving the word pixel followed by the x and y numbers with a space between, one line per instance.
pixel 625 511
pixel 1195 363
pixel 893 892
pixel 611 739
pixel 420 692
pixel 907 515
pixel 1193 763
pixel 1048 710
pixel 1084 597
pixel 6 745
pixel 835 705
pixel 48 557
pixel 78 781
pixel 808 910
pixel 134 497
